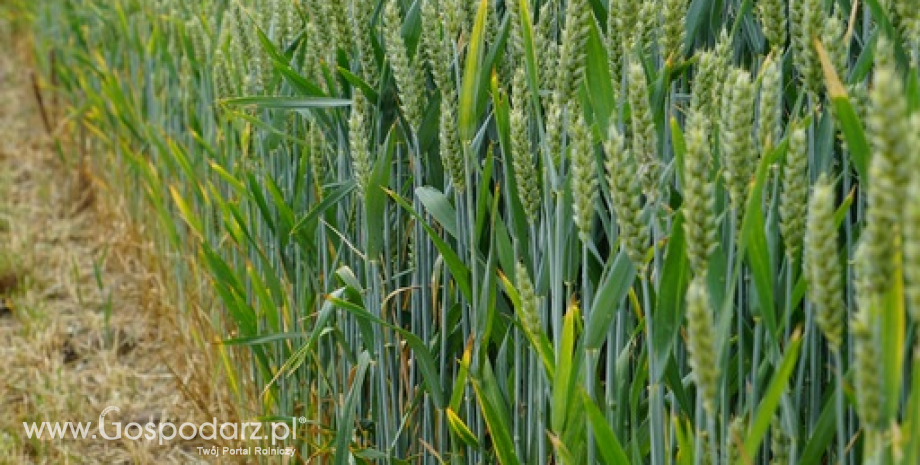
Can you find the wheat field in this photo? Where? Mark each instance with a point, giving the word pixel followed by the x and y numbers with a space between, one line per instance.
pixel 529 231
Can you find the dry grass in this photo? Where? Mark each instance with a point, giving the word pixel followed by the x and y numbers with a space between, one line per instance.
pixel 62 361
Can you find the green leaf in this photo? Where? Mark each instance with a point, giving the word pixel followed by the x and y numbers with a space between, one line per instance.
pixel 609 446
pixel 463 374
pixel 346 423
pixel 231 180
pixel 330 199
pixel 771 397
pixel 375 204
pixel 824 432
pixel 268 307
pixel 300 355
pixel 680 148
pixel 289 103
pixel 597 79
pixel 755 247
pixel 912 418
pixel 423 355
pixel 566 373
pixel 438 206
pixel 913 89
pixel 264 339
pixel 669 310
pixel 460 429
pixel 458 269
pixel 230 289
pixel 846 116
pixel 188 214
pixel 369 93
pixel 892 316
pixel 469 94
pixel 541 344
pixel 620 278
pixel 495 414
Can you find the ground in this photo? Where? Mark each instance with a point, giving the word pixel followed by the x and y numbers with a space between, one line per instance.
pixel 85 317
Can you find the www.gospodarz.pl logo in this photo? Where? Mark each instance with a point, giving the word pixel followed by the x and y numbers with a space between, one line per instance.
pixel 165 431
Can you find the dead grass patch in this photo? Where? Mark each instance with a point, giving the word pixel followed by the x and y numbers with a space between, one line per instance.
pixel 93 323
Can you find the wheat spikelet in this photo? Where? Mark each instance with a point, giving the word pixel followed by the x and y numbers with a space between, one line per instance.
pixel 583 178
pixel 672 34
pixel 358 144
pixel 525 168
pixel 527 313
pixel 409 79
pixel 644 135
pixel 794 194
pixel 866 357
pixel 888 132
pixel 773 22
pixel 771 105
pixel 808 23
pixel 699 196
pixel 625 197
pixel 824 268
pixel 361 18
pixel 700 344
pixel 735 136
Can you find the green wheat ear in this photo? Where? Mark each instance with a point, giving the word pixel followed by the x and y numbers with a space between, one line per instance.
pixel 769 126
pixel 672 31
pixel 794 195
pixel 832 36
pixel 613 42
pixel 773 22
pixel 526 174
pixel 584 177
pixel 335 13
pixel 866 357
pixel 409 77
pixel 437 49
pixel 644 135
pixel 700 343
pixel 736 136
pixel 702 102
pixel 625 197
pixel 824 270
pixel 357 139
pixel 889 134
pixel 360 22
pixel 222 86
pixel 451 147
pixel 699 196
pixel 316 148
pixel 808 19
pixel 529 317
pixel 737 431
pixel 779 442
pixel 908 22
